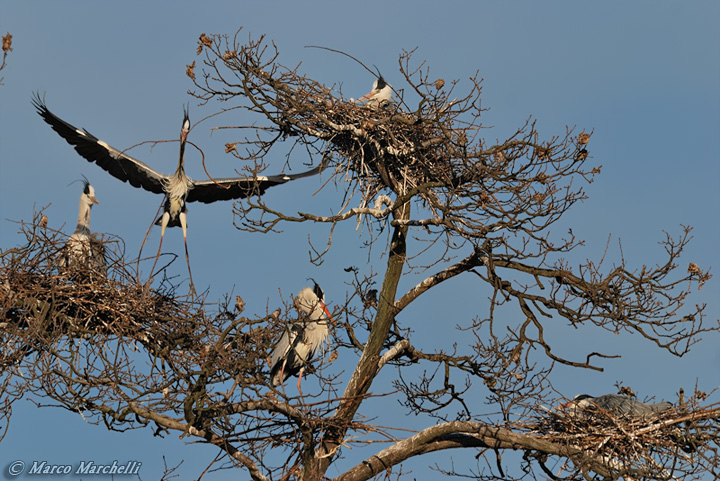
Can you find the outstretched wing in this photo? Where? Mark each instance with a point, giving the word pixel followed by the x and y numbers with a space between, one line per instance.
pixel 240 187
pixel 119 165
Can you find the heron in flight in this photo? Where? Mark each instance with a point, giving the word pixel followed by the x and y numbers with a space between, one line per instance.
pixel 615 404
pixel 83 249
pixel 178 188
pixel 302 340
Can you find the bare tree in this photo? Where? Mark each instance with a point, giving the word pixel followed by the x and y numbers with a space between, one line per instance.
pixel 419 176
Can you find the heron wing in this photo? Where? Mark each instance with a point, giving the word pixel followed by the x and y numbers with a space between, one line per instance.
pixel 119 165
pixel 626 405
pixel 282 348
pixel 291 349
pixel 240 187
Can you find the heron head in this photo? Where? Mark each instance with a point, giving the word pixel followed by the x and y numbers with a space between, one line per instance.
pixel 581 401
pixel 306 300
pixel 317 290
pixel 89 193
pixel 186 124
pixel 381 90
pixel 311 301
pixel 380 83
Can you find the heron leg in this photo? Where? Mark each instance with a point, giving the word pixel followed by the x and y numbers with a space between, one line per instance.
pixel 282 377
pixel 142 246
pixel 183 224
pixel 302 369
pixel 163 225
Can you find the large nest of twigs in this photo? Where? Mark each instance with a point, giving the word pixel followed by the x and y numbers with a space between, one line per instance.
pixel 45 304
pixel 387 146
pixel 382 143
pixel 42 300
pixel 381 146
pixel 655 446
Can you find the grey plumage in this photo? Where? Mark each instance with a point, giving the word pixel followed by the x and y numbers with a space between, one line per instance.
pixel 616 404
pixel 301 341
pixel 84 249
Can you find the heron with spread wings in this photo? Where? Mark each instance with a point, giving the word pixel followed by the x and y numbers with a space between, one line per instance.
pixel 177 188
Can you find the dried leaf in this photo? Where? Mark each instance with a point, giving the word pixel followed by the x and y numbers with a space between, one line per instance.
pixel 7 43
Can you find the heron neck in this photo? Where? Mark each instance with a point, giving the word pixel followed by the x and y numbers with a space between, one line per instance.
pixel 83 223
pixel 318 314
pixel 181 162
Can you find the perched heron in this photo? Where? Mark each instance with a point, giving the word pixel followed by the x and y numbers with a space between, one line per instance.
pixel 615 404
pixel 177 188
pixel 84 249
pixel 380 94
pixel 302 340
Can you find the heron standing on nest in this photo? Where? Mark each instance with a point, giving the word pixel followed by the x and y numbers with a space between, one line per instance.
pixel 84 249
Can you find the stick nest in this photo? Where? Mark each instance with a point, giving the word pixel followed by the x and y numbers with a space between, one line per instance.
pixel 656 446
pixel 41 300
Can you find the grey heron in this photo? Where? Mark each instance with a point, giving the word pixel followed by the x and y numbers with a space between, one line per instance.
pixel 84 249
pixel 302 340
pixel 380 94
pixel 177 188
pixel 615 404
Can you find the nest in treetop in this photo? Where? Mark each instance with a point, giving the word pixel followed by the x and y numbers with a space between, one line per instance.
pixel 388 147
pixel 44 304
pixel 43 301
pixel 392 147
pixel 380 147
pixel 426 145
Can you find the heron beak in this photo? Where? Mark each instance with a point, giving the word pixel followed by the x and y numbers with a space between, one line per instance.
pixel 368 96
pixel 183 135
pixel 327 313
pixel 93 199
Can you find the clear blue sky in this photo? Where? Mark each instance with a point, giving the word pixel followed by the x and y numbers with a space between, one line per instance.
pixel 643 75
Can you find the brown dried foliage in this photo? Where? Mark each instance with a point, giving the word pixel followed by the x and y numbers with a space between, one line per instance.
pixel 6 47
pixel 7 43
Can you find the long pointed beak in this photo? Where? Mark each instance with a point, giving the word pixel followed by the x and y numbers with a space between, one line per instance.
pixel 327 313
pixel 93 199
pixel 368 95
